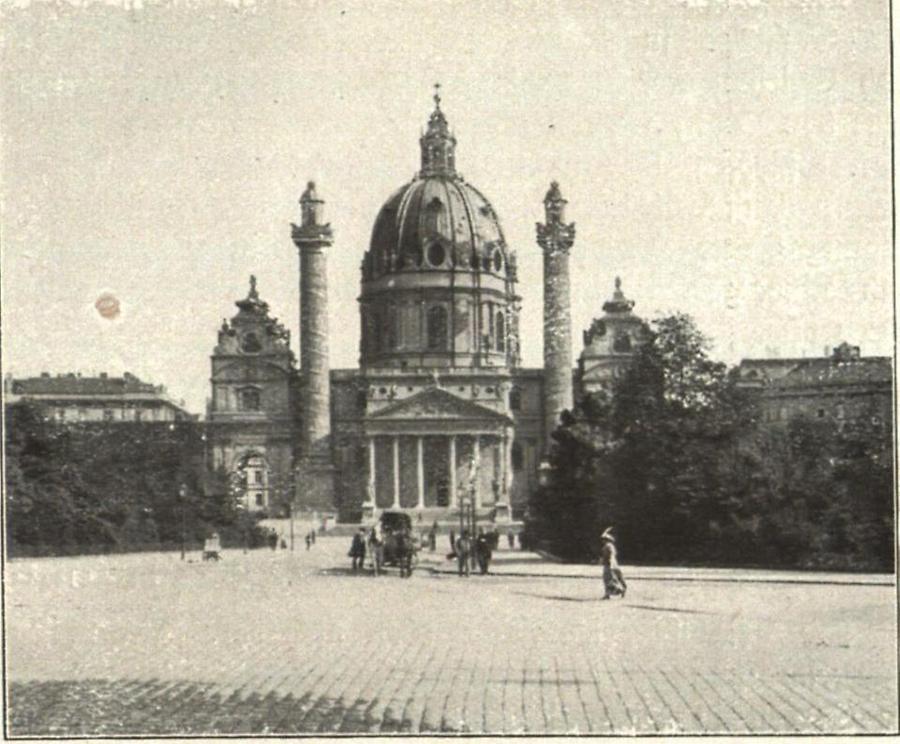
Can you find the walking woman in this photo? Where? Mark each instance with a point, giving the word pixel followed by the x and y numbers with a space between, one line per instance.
pixel 613 580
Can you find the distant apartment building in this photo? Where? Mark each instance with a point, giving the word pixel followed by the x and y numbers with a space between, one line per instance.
pixel 846 387
pixel 73 398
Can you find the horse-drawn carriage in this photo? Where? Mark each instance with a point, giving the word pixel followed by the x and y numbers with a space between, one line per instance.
pixel 398 543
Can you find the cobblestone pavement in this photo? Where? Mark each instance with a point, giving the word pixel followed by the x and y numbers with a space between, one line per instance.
pixel 293 643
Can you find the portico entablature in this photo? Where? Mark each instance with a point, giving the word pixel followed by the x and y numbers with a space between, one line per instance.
pixel 435 410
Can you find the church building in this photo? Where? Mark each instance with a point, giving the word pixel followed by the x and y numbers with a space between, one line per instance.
pixel 440 409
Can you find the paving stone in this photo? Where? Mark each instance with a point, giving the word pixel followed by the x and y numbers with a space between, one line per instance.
pixel 274 643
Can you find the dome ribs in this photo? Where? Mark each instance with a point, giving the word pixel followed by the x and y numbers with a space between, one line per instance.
pixel 402 240
pixel 450 222
pixel 473 231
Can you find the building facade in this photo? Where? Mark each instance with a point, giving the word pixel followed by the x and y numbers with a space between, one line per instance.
pixel 853 391
pixel 440 410
pixel 73 398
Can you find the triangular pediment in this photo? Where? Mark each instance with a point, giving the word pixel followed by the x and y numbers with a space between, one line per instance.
pixel 436 404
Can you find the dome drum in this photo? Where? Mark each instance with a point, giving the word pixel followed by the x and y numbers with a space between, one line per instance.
pixel 435 328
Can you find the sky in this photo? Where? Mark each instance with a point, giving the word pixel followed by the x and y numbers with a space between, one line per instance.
pixel 730 160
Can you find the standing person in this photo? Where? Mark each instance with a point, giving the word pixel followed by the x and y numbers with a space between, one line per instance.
pixel 613 580
pixel 483 551
pixel 307 541
pixel 452 542
pixel 313 535
pixel 432 537
pixel 376 548
pixel 462 548
pixel 358 549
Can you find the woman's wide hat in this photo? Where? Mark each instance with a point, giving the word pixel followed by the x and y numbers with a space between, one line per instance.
pixel 607 535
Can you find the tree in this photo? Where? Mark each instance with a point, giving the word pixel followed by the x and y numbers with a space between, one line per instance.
pixel 678 460
pixel 112 486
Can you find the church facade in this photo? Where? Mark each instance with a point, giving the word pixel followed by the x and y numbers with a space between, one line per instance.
pixel 440 410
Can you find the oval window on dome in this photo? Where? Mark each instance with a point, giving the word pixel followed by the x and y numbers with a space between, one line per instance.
pixel 436 254
pixel 498 261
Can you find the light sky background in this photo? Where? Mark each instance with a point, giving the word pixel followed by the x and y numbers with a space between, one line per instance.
pixel 731 161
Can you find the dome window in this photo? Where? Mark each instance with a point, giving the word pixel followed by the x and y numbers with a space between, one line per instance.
pixel 498 261
pixel 250 344
pixel 515 399
pixel 622 343
pixel 437 328
pixel 412 257
pixel 436 254
pixel 518 457
pixel 390 328
pixel 249 399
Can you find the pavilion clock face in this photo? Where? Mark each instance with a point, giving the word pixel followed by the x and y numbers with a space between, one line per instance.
pixel 250 343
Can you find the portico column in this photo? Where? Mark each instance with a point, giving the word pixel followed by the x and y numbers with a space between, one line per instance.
pixel 453 497
pixel 504 449
pixel 420 472
pixel 396 439
pixel 371 487
pixel 476 455
pixel 507 462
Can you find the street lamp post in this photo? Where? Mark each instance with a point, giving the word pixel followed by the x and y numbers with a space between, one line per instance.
pixel 182 493
pixel 291 513
pixel 472 518
pixel 462 518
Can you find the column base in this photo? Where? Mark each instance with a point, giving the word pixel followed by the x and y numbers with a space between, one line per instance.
pixel 368 511
pixel 316 484
pixel 502 513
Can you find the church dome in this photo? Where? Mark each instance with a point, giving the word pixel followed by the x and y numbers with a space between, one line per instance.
pixel 438 279
pixel 437 221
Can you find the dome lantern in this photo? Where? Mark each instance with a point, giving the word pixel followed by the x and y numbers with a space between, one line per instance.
pixel 438 145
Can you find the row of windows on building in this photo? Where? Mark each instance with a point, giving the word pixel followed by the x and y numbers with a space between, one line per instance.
pixel 63 414
pixel 384 329
pixel 785 413
pixel 438 256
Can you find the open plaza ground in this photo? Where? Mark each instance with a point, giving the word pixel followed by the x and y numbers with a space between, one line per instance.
pixel 292 642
